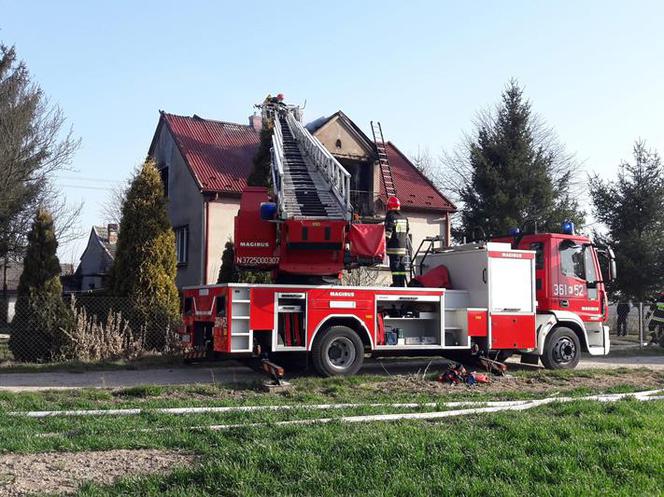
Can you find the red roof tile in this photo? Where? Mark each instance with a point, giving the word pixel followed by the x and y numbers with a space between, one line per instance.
pixel 413 188
pixel 220 154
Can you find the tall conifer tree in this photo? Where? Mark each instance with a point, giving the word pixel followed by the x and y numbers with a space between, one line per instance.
pixel 144 269
pixel 261 174
pixel 41 313
pixel 513 172
pixel 632 208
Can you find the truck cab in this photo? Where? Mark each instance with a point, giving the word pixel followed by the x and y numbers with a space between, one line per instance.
pixel 570 293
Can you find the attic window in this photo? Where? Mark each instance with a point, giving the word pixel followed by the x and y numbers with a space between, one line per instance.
pixel 338 143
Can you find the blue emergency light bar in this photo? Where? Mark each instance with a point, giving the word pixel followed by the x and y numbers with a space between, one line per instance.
pixel 567 227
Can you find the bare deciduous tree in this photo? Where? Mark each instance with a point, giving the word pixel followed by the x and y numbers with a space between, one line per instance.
pixel 111 208
pixel 429 166
pixel 34 144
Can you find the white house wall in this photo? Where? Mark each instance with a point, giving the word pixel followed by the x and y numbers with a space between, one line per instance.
pixel 221 217
pixel 185 206
pixel 423 225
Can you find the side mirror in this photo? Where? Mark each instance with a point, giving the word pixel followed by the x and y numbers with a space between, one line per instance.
pixel 613 272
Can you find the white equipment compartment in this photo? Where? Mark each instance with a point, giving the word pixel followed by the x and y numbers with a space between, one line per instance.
pixel 488 277
pixel 510 284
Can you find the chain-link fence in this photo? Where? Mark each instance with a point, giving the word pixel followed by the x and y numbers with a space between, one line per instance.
pixel 637 322
pixel 86 328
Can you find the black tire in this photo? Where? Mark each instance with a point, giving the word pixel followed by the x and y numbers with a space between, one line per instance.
pixel 503 355
pixel 337 351
pixel 562 349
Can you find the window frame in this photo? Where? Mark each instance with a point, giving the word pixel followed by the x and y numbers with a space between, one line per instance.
pixel 182 244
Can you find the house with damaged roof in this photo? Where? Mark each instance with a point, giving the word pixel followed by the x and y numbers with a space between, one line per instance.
pixel 204 165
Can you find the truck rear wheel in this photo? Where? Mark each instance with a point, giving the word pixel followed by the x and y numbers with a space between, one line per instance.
pixel 562 349
pixel 338 352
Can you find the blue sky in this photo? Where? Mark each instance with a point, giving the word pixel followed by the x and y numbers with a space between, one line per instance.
pixel 592 69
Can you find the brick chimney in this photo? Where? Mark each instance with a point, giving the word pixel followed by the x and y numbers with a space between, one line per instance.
pixel 112 233
pixel 256 122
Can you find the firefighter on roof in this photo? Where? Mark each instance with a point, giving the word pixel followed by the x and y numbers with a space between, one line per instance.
pixel 396 235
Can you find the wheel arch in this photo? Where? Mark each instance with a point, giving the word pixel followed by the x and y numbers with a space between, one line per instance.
pixel 568 320
pixel 350 321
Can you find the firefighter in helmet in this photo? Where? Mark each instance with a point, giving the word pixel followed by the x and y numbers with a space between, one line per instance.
pixel 396 235
pixel 656 324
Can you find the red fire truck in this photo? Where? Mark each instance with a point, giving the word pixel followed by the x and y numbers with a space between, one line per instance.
pixel 546 303
pixel 540 294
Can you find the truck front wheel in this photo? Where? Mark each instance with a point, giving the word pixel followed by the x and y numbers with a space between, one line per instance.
pixel 338 352
pixel 562 349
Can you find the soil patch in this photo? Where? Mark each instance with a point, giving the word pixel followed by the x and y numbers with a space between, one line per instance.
pixel 62 472
pixel 534 384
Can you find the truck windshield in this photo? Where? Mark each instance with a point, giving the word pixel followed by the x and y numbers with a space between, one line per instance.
pixel 577 261
pixel 572 260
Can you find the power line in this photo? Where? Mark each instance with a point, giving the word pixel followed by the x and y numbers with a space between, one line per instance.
pixel 87 178
pixel 88 187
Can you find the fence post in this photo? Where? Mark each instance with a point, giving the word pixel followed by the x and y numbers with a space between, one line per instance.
pixel 640 325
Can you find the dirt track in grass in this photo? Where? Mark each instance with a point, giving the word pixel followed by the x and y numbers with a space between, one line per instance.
pixel 529 384
pixel 62 472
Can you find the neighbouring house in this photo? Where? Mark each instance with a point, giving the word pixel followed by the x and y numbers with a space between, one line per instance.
pixel 204 165
pixel 97 258
pixel 10 275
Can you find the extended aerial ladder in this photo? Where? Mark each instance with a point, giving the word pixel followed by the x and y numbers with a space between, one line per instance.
pixel 309 182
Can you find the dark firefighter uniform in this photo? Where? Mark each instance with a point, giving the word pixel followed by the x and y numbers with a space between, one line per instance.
pixel 396 234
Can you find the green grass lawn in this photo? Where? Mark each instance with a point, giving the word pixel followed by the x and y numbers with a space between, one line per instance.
pixel 568 449
pixel 578 448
